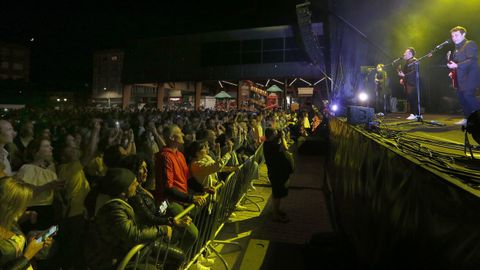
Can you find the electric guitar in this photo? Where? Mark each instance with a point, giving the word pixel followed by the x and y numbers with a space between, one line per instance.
pixel 402 79
pixel 453 71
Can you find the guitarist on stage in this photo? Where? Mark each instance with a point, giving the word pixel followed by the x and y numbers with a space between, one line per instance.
pixel 465 72
pixel 382 100
pixel 408 80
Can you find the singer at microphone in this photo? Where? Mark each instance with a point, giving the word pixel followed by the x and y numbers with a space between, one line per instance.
pixel 408 81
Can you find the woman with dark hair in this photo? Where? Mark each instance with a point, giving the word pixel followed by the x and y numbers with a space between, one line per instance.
pixel 25 136
pixel 203 167
pixel 279 169
pixel 143 202
pixel 40 174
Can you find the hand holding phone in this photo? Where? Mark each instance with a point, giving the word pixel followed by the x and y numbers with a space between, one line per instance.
pixel 163 207
pixel 48 233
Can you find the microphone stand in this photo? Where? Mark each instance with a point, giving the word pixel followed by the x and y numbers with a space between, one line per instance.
pixel 393 62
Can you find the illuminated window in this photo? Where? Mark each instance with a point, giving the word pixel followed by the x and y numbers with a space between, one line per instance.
pixel 114 58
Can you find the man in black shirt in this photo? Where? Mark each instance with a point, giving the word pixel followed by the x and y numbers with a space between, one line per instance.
pixel 409 82
pixel 465 65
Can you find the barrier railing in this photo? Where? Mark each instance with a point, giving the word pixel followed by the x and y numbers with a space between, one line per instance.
pixel 209 218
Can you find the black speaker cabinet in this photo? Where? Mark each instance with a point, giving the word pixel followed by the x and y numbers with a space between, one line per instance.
pixel 359 115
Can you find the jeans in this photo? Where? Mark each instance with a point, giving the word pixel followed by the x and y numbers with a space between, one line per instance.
pixel 468 101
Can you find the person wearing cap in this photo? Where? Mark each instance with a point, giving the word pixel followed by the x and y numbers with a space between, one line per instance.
pixel 115 228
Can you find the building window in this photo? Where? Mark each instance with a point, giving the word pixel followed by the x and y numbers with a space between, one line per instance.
pixel 114 58
pixel 3 76
pixel 17 66
pixel 4 64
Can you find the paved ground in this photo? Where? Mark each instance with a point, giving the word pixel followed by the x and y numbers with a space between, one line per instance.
pixel 266 244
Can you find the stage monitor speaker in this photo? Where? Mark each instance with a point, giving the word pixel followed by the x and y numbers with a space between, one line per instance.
pixel 359 115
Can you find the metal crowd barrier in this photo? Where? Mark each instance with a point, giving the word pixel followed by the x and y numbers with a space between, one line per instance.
pixel 209 218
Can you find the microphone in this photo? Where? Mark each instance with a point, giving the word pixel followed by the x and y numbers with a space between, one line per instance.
pixel 398 59
pixel 439 46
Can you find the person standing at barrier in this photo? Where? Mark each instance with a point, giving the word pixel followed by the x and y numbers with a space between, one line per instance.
pixel 203 167
pixel 172 174
pixel 279 169
pixel 143 203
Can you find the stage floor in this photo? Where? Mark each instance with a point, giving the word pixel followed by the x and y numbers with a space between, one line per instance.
pixel 436 143
pixel 434 126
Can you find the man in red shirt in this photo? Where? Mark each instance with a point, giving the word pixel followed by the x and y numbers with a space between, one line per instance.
pixel 172 174
pixel 172 171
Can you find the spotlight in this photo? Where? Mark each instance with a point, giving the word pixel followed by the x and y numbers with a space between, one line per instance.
pixel 362 96
pixel 334 107
pixel 220 83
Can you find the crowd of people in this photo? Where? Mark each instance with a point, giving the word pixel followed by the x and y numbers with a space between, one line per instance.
pixel 113 179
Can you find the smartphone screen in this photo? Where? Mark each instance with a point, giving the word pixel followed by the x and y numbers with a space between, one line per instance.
pixel 163 207
pixel 51 231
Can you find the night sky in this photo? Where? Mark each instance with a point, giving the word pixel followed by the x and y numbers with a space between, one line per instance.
pixel 65 35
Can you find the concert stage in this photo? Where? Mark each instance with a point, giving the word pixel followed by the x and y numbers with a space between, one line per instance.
pixel 405 194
